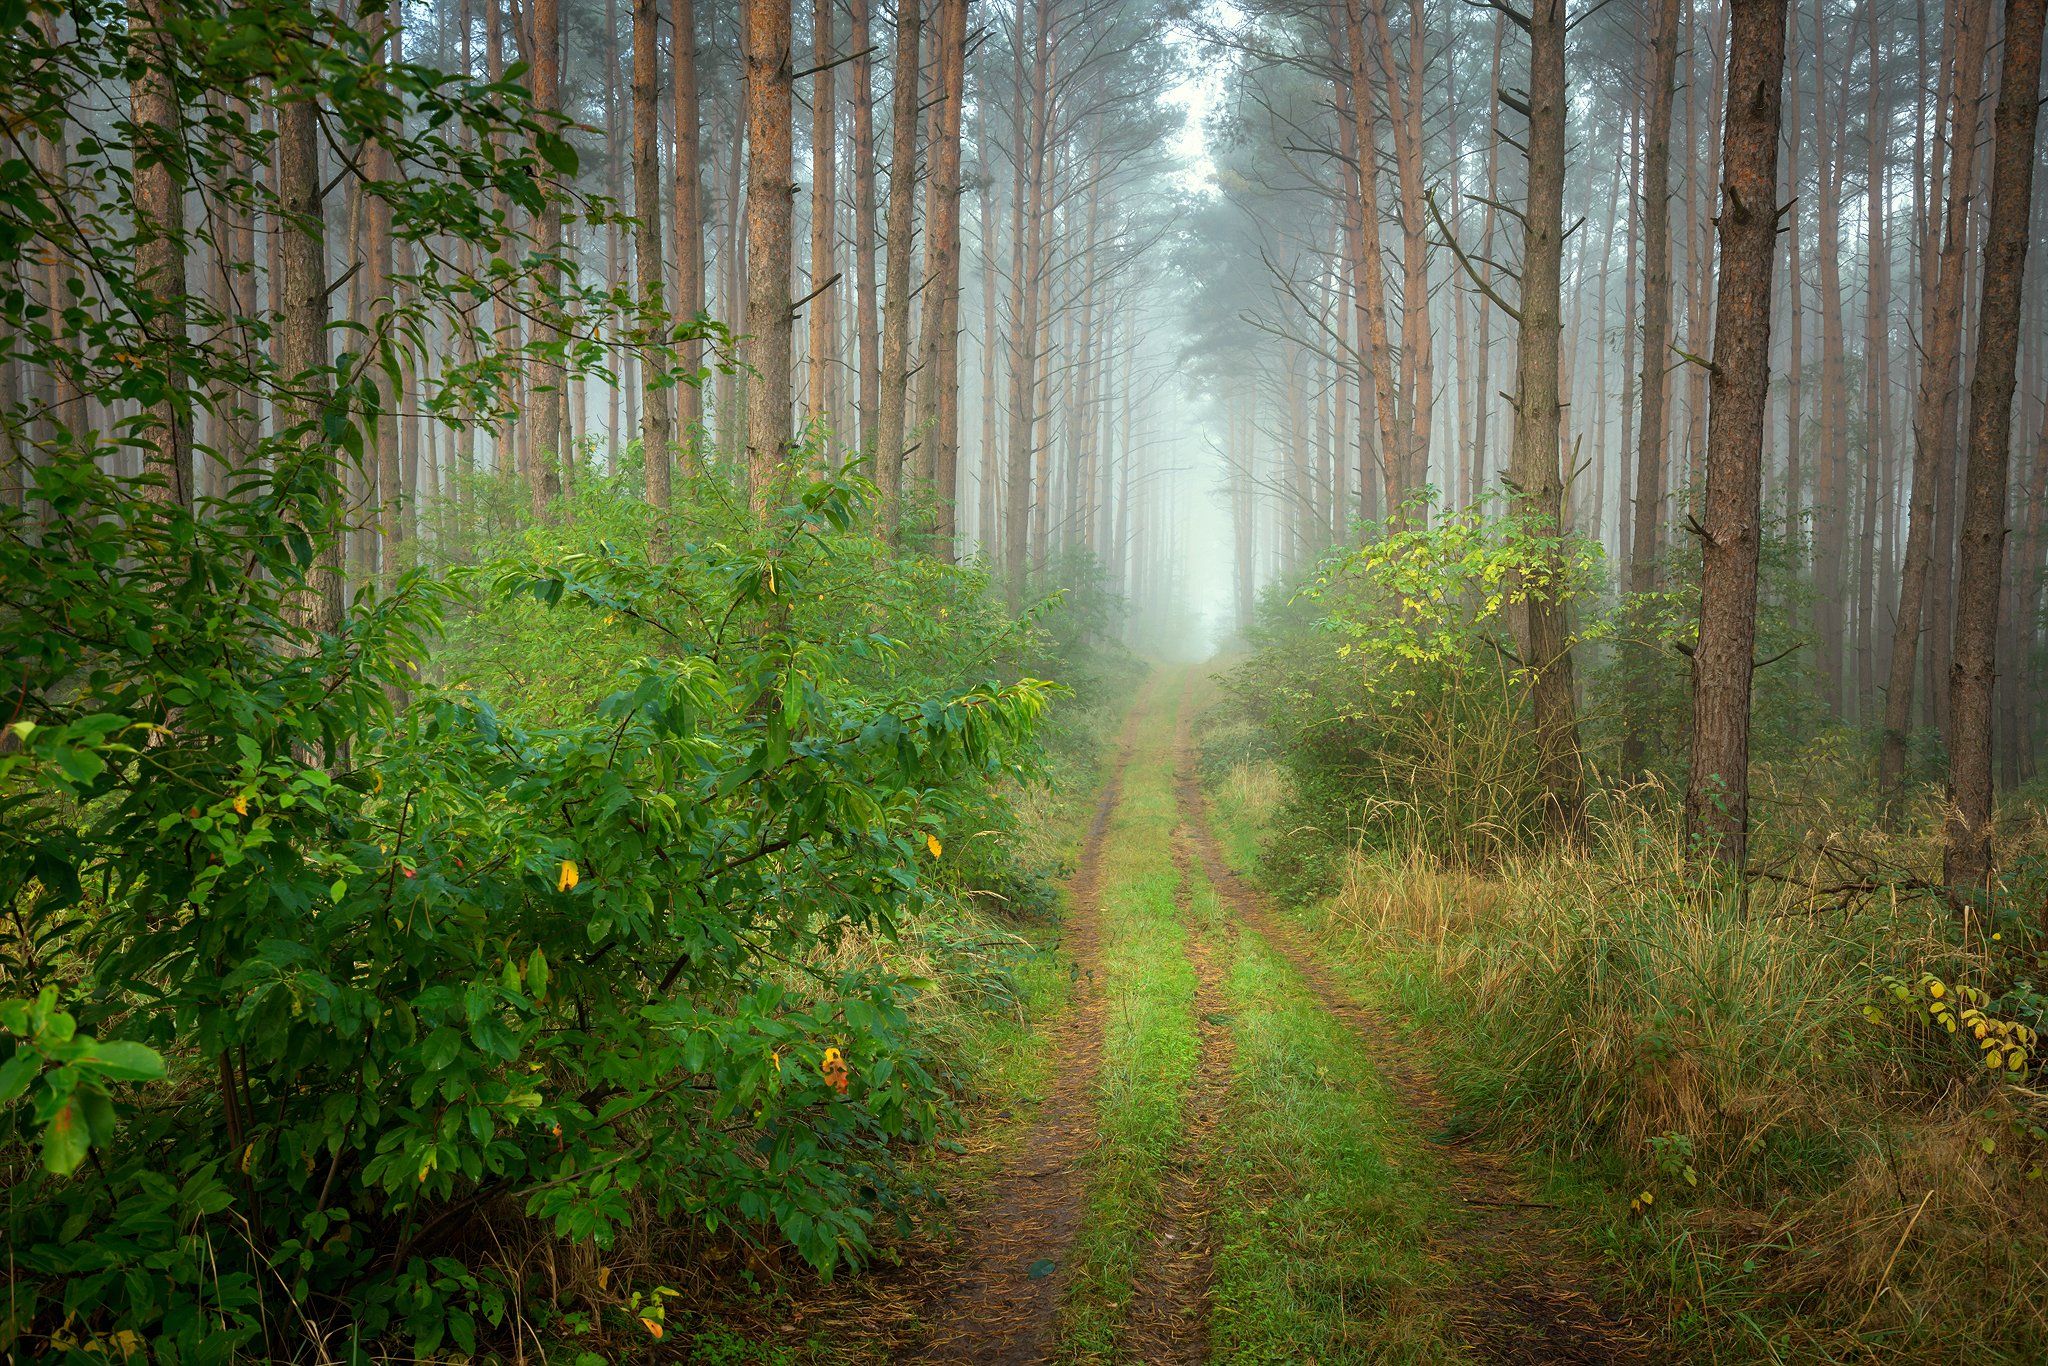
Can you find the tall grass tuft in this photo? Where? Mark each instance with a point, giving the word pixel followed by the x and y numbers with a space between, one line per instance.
pixel 1804 1175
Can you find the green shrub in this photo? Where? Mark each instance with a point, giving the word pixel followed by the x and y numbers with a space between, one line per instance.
pixel 568 964
pixel 1393 693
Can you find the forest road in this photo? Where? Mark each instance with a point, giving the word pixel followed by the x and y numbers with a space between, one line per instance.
pixel 998 1304
pixel 1168 1319
pixel 1525 1300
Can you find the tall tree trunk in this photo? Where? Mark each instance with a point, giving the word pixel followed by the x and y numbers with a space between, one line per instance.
pixel 300 244
pixel 379 260
pixel 544 480
pixel 689 215
pixel 939 462
pixel 160 281
pixel 1831 458
pixel 1534 458
pixel 1966 860
pixel 1723 666
pixel 890 424
pixel 655 435
pixel 771 186
pixel 618 356
pixel 1372 278
pixel 1699 320
pixel 986 526
pixel 1483 382
pixel 1352 200
pixel 1028 237
pixel 1876 373
pixel 1795 318
pixel 1404 119
pixel 732 268
pixel 866 324
pixel 1934 416
pixel 824 304
pixel 1624 511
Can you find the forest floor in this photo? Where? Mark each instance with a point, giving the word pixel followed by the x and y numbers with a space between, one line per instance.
pixel 1226 1152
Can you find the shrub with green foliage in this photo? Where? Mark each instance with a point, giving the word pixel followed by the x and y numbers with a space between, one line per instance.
pixel 406 964
pixel 1391 686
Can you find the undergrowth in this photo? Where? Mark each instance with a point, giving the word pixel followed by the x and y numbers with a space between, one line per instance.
pixel 1801 1109
pixel 1763 1107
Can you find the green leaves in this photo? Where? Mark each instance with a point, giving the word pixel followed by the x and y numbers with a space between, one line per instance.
pixel 556 151
pixel 71 1101
pixel 341 924
pixel 121 1061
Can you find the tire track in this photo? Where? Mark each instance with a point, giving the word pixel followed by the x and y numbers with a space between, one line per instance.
pixel 987 1307
pixel 1536 1308
pixel 1169 1313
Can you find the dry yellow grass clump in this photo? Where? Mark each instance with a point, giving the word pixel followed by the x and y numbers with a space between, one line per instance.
pixel 1813 1108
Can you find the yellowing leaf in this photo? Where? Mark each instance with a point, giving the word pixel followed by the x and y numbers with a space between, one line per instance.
pixel 931 842
pixel 834 1068
pixel 568 877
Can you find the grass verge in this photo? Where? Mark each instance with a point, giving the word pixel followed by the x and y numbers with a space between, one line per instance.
pixel 1789 1162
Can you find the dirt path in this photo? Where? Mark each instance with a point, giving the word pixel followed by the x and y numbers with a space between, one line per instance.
pixel 1535 1308
pixel 988 1307
pixel 1169 1314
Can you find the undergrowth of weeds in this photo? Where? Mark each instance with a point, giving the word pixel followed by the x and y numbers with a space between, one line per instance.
pixel 1772 1110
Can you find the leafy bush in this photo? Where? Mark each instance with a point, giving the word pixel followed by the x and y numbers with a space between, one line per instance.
pixel 1393 691
pixel 407 965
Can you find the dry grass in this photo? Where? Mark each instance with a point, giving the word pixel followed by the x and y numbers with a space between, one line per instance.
pixel 1862 1186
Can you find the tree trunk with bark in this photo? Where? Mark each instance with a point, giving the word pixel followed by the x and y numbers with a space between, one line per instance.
pixel 301 353
pixel 1372 304
pixel 1966 860
pixel 1534 458
pixel 1028 240
pixel 544 480
pixel 1723 665
pixel 824 303
pixel 770 188
pixel 655 434
pixel 867 314
pixel 939 461
pixel 890 421
pixel 1647 537
pixel 1934 415
pixel 160 280
pixel 689 216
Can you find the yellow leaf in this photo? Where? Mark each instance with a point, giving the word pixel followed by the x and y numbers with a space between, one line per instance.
pixel 931 842
pixel 566 880
pixel 653 1328
pixel 604 1277
pixel 241 806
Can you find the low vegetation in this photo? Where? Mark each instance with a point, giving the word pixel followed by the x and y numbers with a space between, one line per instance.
pixel 425 992
pixel 1800 1110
